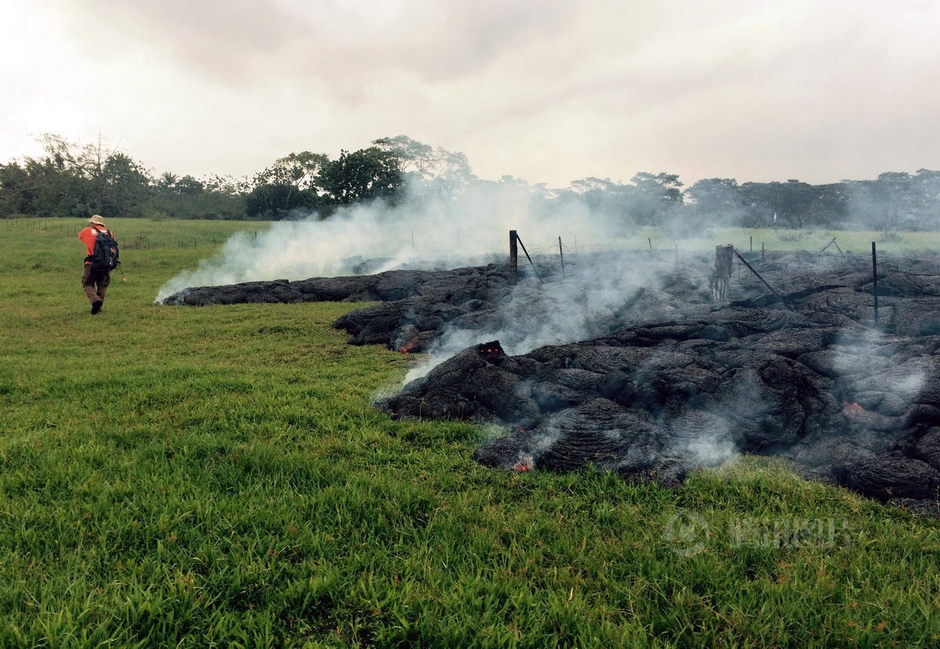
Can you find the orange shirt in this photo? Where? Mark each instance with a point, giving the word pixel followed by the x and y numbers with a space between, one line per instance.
pixel 88 236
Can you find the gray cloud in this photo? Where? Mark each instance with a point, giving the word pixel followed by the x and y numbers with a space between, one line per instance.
pixel 549 92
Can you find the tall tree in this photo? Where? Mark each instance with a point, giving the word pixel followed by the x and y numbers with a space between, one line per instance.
pixel 15 193
pixel 927 184
pixel 362 175
pixel 74 180
pixel 603 198
pixel 297 169
pixel 288 184
pixel 424 160
pixel 430 172
pixel 713 194
pixel 894 197
pixel 125 187
pixel 658 196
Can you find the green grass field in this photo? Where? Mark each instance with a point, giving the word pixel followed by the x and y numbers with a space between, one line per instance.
pixel 216 476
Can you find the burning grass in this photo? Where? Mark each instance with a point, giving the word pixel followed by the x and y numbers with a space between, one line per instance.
pixel 226 481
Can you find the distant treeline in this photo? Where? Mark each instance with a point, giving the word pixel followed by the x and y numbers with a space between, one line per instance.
pixel 76 181
pixel 893 201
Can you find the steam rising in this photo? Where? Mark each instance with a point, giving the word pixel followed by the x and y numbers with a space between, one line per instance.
pixel 550 313
pixel 867 366
pixel 703 439
pixel 428 229
pixel 433 229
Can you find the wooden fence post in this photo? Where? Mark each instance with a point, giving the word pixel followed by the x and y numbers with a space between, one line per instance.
pixel 513 256
pixel 874 278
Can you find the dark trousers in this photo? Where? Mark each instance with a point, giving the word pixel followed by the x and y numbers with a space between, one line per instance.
pixel 95 283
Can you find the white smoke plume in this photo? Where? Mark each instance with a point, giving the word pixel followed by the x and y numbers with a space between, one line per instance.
pixel 868 369
pixel 580 307
pixel 704 440
pixel 431 229
pixel 428 229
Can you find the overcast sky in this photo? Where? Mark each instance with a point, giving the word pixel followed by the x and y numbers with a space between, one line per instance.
pixel 548 91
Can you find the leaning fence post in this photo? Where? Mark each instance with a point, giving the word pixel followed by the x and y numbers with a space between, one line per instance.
pixel 531 263
pixel 758 275
pixel 561 255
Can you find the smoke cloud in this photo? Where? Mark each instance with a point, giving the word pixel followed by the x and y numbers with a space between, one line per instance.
pixel 868 369
pixel 702 439
pixel 438 227
pixel 428 229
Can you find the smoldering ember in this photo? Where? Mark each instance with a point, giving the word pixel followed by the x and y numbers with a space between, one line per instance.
pixel 683 363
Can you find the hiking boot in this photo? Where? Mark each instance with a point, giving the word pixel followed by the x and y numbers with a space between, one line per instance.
pixel 96 307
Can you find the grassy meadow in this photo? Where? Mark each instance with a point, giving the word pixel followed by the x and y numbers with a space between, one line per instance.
pixel 216 476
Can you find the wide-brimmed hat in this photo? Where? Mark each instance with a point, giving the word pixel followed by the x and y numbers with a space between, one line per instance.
pixel 96 219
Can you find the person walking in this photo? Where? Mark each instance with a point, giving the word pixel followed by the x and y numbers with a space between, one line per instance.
pixel 95 281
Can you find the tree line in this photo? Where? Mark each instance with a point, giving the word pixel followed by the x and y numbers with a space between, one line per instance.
pixel 892 201
pixel 70 180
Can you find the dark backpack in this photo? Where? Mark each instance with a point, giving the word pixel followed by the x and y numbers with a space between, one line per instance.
pixel 105 256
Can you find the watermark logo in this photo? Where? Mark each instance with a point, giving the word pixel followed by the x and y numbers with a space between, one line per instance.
pixel 790 532
pixel 688 533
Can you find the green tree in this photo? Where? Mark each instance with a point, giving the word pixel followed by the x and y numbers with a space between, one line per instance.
pixel 363 175
pixel 71 180
pixel 927 202
pixel 186 197
pixel 424 160
pixel 297 169
pixel 15 194
pixel 166 181
pixel 430 172
pixel 275 201
pixel 290 183
pixel 125 187
pixel 657 197
pixel 189 186
pixel 715 201
pixel 54 190
pixel 413 156
pixel 603 198
pixel 894 197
